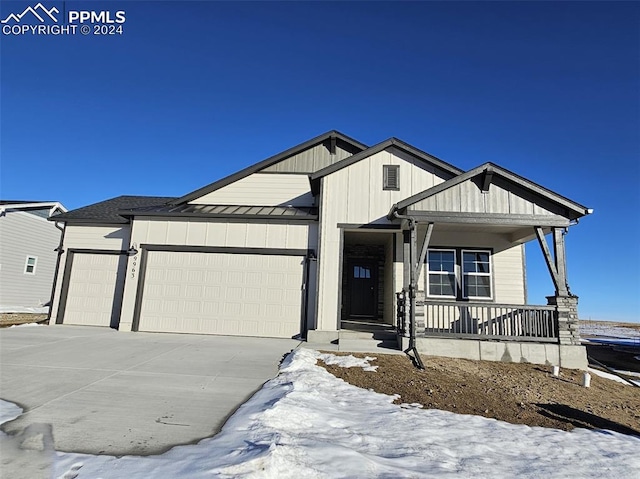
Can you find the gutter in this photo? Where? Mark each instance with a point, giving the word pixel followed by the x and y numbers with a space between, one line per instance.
pixel 60 252
pixel 412 289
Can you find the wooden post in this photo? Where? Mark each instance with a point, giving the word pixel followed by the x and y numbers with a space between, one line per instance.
pixel 561 263
pixel 561 288
pixel 423 251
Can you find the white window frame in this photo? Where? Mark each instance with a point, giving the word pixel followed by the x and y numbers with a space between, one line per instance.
pixel 26 264
pixel 455 273
pixel 463 275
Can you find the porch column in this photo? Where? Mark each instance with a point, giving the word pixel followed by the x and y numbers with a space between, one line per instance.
pixel 566 304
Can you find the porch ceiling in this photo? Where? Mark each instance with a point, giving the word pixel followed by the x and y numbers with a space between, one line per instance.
pixel 515 234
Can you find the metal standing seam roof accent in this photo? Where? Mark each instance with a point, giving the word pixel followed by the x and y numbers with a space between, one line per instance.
pixel 265 164
pixel 226 211
pixel 497 170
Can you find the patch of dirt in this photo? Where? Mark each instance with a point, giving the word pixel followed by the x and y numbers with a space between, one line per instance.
pixel 516 393
pixel 10 319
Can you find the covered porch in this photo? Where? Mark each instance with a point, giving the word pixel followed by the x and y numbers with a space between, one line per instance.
pixel 464 293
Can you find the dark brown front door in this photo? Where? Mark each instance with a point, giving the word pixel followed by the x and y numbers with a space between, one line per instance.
pixel 362 288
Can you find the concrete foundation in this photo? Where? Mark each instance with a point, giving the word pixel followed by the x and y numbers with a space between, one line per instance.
pixel 566 356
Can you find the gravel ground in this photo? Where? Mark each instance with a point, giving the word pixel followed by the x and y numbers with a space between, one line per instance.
pixel 516 393
pixel 10 319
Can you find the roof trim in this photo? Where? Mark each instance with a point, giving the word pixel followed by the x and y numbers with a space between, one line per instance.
pixel 265 164
pixel 406 147
pixel 495 170
pixel 51 205
pixel 395 142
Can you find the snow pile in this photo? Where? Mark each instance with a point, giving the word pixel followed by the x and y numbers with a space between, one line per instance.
pixel 25 325
pixel 306 423
pixel 9 411
pixel 348 361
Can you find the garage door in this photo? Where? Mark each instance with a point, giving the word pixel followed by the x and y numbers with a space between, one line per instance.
pixel 222 293
pixel 95 289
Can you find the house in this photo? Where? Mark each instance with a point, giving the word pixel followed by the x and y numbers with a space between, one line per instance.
pixel 327 236
pixel 27 256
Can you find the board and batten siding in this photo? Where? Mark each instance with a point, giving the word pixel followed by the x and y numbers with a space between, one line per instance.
pixel 502 198
pixel 24 234
pixel 262 189
pixel 86 237
pixel 313 159
pixel 354 195
pixel 206 233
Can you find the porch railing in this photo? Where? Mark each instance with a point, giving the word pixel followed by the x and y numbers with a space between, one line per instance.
pixel 490 321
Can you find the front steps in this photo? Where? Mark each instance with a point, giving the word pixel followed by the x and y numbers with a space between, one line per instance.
pixel 382 342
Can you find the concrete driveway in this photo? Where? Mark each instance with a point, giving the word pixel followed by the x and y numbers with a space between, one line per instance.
pixel 107 392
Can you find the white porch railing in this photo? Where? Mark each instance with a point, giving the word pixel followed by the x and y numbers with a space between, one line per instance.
pixel 490 321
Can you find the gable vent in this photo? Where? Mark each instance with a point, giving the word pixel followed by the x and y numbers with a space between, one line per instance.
pixel 391 177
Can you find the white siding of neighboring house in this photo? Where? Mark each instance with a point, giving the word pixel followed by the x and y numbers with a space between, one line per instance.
pixel 24 234
pixel 354 195
pixel 115 238
pixel 206 233
pixel 262 189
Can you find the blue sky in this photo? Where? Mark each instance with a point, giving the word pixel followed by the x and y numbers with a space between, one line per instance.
pixel 192 91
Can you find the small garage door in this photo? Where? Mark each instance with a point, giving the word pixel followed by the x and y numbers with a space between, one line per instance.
pixel 95 289
pixel 222 293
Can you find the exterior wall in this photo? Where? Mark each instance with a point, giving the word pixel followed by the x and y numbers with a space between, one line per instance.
pixel 502 198
pixel 507 262
pixel 354 195
pixel 25 234
pixel 313 159
pixel 206 233
pixel 262 189
pixel 114 238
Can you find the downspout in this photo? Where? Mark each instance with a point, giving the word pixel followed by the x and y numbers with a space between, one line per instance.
pixel 412 289
pixel 60 251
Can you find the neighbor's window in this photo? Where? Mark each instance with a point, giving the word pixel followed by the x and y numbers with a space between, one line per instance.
pixel 391 177
pixel 476 274
pixel 30 265
pixel 441 273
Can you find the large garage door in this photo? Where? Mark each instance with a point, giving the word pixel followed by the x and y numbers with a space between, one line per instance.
pixel 95 289
pixel 222 293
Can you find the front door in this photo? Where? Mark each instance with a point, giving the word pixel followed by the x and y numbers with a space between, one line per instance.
pixel 362 288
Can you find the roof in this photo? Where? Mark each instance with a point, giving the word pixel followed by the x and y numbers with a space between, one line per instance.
pixel 31 205
pixel 228 211
pixel 108 211
pixel 267 163
pixel 576 209
pixel 395 142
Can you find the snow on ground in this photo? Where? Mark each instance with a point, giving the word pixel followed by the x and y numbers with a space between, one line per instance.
pixel 306 423
pixel 612 330
pixel 348 361
pixel 25 325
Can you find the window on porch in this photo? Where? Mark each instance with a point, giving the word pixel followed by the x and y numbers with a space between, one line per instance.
pixel 447 269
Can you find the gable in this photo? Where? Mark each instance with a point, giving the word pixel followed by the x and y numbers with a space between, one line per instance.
pixel 490 189
pixel 304 158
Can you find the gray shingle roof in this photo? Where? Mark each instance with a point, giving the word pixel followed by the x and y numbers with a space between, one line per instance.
pixel 108 211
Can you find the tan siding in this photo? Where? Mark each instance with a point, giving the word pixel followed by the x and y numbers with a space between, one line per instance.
pixel 355 195
pixel 262 189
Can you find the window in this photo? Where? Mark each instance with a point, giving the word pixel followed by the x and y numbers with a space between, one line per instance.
pixel 447 269
pixel 441 273
pixel 391 177
pixel 476 274
pixel 360 272
pixel 30 265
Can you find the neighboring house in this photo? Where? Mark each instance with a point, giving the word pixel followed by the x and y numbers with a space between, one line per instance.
pixel 27 256
pixel 320 239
